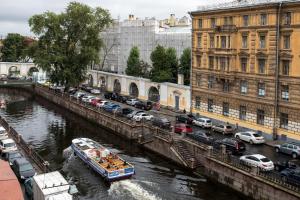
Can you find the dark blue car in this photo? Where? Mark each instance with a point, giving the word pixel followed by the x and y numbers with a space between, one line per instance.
pixel 111 107
pixel 291 176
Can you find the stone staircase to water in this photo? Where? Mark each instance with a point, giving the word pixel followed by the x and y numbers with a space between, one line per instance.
pixel 184 154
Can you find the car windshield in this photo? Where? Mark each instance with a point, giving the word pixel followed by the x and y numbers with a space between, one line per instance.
pixel 9 145
pixel 229 127
pixel 208 121
pixel 256 135
pixel 26 167
pixel 265 160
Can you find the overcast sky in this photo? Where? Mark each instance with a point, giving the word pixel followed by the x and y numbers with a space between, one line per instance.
pixel 14 14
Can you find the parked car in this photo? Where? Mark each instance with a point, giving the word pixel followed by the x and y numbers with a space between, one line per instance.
pixel 124 111
pixel 111 107
pixel 101 104
pixel 257 160
pixel 78 95
pixel 95 91
pixel 122 99
pixel 142 116
pixel 292 149
pixel 204 137
pixel 183 128
pixel 87 98
pixel 161 122
pixel 23 169
pixel 184 119
pixel 222 128
pixel 147 105
pixel 7 145
pixel 132 102
pixel 3 133
pixel 233 145
pixel 3 77
pixel 72 91
pixel 203 122
pixel 12 156
pixel 291 176
pixel 86 88
pixel 28 187
pixel 292 164
pixel 251 137
pixel 111 95
pixel 95 101
pixel 135 112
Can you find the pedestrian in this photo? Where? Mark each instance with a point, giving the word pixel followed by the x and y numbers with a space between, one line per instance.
pixel 184 111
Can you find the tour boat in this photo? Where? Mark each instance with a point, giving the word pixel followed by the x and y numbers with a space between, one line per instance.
pixel 107 164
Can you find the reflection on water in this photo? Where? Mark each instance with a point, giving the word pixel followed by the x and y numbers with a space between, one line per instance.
pixel 50 129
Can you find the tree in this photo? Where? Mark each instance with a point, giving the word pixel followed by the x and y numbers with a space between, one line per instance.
pixel 14 47
pixel 69 42
pixel 161 71
pixel 185 65
pixel 145 69
pixel 172 63
pixel 133 63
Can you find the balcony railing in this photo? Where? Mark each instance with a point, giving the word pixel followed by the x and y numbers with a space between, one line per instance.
pixel 226 28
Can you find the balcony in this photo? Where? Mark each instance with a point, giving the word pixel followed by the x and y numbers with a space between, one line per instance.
pixel 226 29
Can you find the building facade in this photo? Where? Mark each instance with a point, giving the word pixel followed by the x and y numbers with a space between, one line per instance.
pixel 146 34
pixel 245 64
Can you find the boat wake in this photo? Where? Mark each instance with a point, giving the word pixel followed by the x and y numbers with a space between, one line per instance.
pixel 129 189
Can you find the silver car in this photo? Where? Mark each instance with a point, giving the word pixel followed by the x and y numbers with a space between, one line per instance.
pixel 292 149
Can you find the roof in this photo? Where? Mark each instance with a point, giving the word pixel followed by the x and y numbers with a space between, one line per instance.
pixel 240 4
pixel 259 156
pixel 22 160
pixel 6 141
pixel 2 128
pixel 10 188
pixel 51 183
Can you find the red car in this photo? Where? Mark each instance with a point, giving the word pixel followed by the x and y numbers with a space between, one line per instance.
pixel 94 102
pixel 183 128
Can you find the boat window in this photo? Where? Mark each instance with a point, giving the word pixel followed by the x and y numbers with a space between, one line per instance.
pixel 9 145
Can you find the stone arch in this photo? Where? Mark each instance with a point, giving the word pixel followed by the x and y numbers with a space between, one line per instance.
pixel 13 70
pixel 153 94
pixel 90 80
pixel 31 70
pixel 133 90
pixel 117 86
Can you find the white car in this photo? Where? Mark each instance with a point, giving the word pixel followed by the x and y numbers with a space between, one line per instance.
pixel 3 133
pixel 102 103
pixel 251 137
pixel 132 102
pixel 87 98
pixel 203 122
pixel 257 160
pixel 138 117
pixel 77 95
pixel 95 91
pixel 7 145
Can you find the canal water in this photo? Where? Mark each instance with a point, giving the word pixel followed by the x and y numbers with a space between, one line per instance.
pixel 50 129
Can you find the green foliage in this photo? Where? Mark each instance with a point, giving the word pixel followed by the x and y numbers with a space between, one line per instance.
pixel 69 41
pixel 185 65
pixel 164 65
pixel 145 69
pixel 14 48
pixel 133 63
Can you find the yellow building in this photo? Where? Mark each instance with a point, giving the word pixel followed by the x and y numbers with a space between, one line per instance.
pixel 246 64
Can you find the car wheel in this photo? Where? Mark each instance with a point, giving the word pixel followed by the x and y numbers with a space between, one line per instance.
pixel 251 142
pixel 277 150
pixel 237 137
pixel 294 155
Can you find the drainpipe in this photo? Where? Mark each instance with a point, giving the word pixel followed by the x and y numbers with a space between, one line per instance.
pixel 275 116
pixel 191 78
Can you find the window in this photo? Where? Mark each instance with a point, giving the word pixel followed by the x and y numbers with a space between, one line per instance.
pixel 286 42
pixel 197 103
pixel 246 20
pixel 210 81
pixel 262 41
pixel 284 120
pixel 199 39
pixel 211 62
pixel 228 20
pixel 225 108
pixel 199 23
pixel 261 66
pixel 223 63
pixel 212 41
pixel 263 19
pixel 285 67
pixel 225 86
pixel 223 42
pixel 213 22
pixel 244 62
pixel 243 112
pixel 245 41
pixel 198 79
pixel 260 117
pixel 244 87
pixel 287 18
pixel 210 104
pixel 198 61
pixel 218 41
pixel 261 89
pixel 285 92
